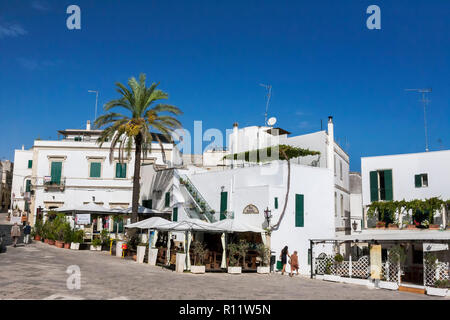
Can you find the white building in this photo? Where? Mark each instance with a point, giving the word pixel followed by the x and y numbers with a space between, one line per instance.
pixel 6 169
pixel 21 181
pixel 356 208
pixel 76 171
pixel 218 189
pixel 406 176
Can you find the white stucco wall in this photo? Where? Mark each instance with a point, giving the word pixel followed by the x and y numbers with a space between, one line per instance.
pixel 21 173
pixel 404 167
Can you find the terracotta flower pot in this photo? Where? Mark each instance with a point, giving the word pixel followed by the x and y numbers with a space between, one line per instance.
pixel 45 240
pixel 134 257
pixel 392 226
pixel 67 245
pixel 59 244
pixel 433 227
pixel 410 226
pixel 51 242
pixel 37 238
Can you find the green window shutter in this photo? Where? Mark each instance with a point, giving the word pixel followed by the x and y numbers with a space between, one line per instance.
pixel 30 164
pixel 28 186
pixel 299 210
pixel 276 203
pixel 56 172
pixel 167 200
pixel 418 180
pixel 373 186
pixel 95 169
pixel 120 226
pixel 388 185
pixel 309 257
pixel 121 170
pixel 223 205
pixel 114 227
pixel 27 206
pixel 175 214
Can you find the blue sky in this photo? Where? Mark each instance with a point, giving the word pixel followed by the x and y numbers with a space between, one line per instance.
pixel 211 56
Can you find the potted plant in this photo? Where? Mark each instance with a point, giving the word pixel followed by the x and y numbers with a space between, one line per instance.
pixel 199 254
pixel 381 225
pixel 106 239
pixel 233 265
pixel 264 255
pixel 77 238
pixel 433 227
pixel 141 248
pixel 68 235
pixel 96 244
pixel 440 288
pixel 37 230
pixel 330 262
pixel 392 226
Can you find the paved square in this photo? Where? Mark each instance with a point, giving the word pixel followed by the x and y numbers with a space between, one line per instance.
pixel 38 271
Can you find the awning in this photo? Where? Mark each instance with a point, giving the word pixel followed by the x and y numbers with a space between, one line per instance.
pixel 86 208
pixel 190 225
pixel 141 210
pixel 151 223
pixel 232 225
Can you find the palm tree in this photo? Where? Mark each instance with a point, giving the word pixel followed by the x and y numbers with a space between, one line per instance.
pixel 134 129
pixel 286 153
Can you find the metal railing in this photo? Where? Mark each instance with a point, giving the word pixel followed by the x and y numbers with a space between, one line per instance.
pixel 198 198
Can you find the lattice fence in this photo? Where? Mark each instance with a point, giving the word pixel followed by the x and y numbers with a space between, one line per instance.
pixel 438 271
pixel 389 272
pixel 359 269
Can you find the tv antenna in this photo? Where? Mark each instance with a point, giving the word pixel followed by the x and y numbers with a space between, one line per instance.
pixel 425 103
pixel 269 94
pixel 96 101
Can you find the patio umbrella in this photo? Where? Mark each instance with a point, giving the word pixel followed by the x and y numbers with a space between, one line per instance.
pixel 150 223
pixel 141 209
pixel 89 208
pixel 232 225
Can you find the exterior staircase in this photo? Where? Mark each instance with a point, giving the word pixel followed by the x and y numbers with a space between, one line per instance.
pixel 200 208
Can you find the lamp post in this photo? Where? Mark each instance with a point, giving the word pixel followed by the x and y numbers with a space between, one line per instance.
pixel 268 216
pixel 355 225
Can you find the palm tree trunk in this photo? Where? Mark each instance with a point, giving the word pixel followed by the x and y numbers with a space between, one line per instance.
pixel 136 178
pixel 277 225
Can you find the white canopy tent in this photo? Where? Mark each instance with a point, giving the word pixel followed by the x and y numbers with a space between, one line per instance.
pixel 231 225
pixel 141 210
pixel 88 208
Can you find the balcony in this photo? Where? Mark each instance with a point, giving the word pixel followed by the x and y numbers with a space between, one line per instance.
pixel 54 185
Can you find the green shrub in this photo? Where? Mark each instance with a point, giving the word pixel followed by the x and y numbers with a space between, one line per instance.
pixel 264 254
pixel 104 236
pixel 96 242
pixel 199 250
pixel 78 236
pixel 233 251
pixel 338 258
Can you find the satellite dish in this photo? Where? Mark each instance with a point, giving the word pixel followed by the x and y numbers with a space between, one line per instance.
pixel 272 121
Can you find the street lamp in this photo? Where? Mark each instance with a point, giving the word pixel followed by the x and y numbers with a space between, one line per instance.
pixel 268 216
pixel 355 225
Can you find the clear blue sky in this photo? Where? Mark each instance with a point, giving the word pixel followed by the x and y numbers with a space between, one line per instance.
pixel 211 56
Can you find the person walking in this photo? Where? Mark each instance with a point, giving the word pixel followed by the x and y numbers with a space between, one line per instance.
pixel 26 232
pixel 294 263
pixel 15 233
pixel 283 256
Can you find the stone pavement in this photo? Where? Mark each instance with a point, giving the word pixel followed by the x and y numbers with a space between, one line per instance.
pixel 38 271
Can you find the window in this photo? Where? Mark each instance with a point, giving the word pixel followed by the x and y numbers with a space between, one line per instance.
pixel 175 214
pixel 77 138
pixel 223 205
pixel 55 172
pixel 381 185
pixel 28 186
pixel 276 203
pixel 299 210
pixel 95 170
pixel 167 200
pixel 342 205
pixel 421 180
pixel 147 203
pixel 335 166
pixel 340 167
pixel 121 170
pixel 335 204
pixel 30 164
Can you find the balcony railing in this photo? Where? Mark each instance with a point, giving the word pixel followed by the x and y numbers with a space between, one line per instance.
pixel 52 184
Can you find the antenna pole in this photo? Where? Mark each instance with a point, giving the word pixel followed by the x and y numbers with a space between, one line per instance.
pixel 96 102
pixel 425 103
pixel 269 94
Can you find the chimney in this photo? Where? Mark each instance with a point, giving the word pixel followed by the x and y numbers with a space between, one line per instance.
pixel 88 125
pixel 234 146
pixel 330 147
pixel 23 147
